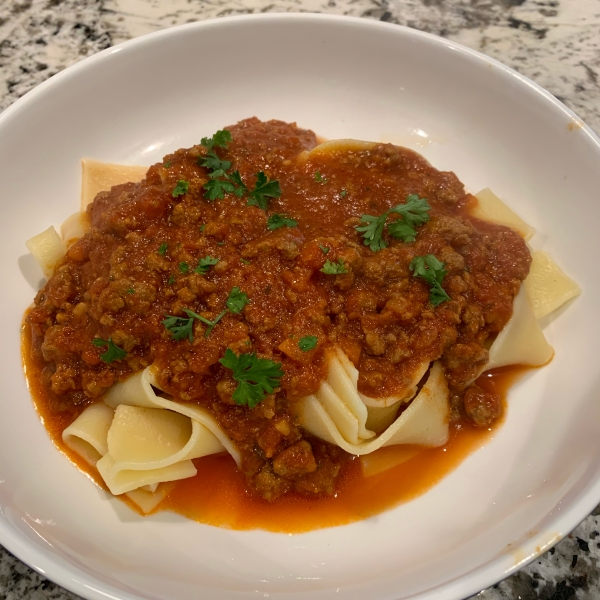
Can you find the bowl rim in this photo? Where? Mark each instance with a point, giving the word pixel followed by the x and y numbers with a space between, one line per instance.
pixel 78 581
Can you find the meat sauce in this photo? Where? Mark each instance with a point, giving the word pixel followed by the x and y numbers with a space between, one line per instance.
pixel 138 264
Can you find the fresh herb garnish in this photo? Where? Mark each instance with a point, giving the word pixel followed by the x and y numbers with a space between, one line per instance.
pixel 236 300
pixel 204 264
pixel 263 190
pixel 217 188
pixel 372 232
pixel 246 262
pixel 414 213
pixel 184 267
pixel 162 249
pixel 332 268
pixel 167 164
pixel 171 280
pixel 256 377
pixel 182 328
pixel 319 178
pixel 343 193
pixel 181 188
pixel 324 249
pixel 218 140
pixel 113 352
pixel 277 221
pixel 131 291
pixel 308 342
pixel 212 162
pixel 241 188
pixel 430 269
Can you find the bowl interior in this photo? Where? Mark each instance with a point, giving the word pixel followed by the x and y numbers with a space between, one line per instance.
pixel 344 78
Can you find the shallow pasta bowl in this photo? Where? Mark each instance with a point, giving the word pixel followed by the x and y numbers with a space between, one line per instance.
pixel 344 78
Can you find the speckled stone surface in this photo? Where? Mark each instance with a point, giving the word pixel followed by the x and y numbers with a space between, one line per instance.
pixel 554 42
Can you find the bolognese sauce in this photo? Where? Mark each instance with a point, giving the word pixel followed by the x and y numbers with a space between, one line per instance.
pixel 283 278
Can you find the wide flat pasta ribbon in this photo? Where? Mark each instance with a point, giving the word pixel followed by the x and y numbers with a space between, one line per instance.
pixel 424 422
pixel 138 440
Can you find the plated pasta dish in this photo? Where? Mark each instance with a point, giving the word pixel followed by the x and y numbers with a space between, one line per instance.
pixel 267 331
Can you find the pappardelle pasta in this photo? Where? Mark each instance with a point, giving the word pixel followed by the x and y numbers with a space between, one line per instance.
pixel 289 303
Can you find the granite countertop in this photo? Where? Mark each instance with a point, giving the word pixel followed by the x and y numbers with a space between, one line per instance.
pixel 554 42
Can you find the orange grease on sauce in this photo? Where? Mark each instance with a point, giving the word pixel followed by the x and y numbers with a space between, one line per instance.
pixel 217 494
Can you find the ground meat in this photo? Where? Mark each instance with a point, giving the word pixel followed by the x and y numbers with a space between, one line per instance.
pixel 153 258
pixel 482 407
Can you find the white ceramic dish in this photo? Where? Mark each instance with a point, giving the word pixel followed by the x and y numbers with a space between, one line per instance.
pixel 343 78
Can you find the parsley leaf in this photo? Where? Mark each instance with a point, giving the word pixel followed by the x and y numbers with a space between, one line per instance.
pixel 414 213
pixel 217 188
pixel 277 221
pixel 244 261
pixel 331 268
pixel 184 267
pixel 372 231
pixel 167 164
pixel 204 264
pixel 131 291
pixel 218 140
pixel 236 300
pixel 182 328
pixel 256 377
pixel 324 249
pixel 113 352
pixel 162 249
pixel 430 269
pixel 401 230
pixel 213 162
pixel 263 190
pixel 241 188
pixel 181 188
pixel 319 178
pixel 171 280
pixel 308 342
pixel 343 193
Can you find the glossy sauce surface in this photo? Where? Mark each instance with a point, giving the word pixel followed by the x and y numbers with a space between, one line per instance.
pixel 218 496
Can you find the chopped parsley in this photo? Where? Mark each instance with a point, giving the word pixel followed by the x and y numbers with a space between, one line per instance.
pixel 332 268
pixel 171 280
pixel 218 140
pixel 246 262
pixel 212 162
pixel 372 231
pixel 324 249
pixel 167 164
pixel 414 213
pixel 319 178
pixel 308 342
pixel 162 249
pixel 217 188
pixel 276 221
pixel 241 188
pixel 204 264
pixel 131 291
pixel 343 193
pixel 256 377
pixel 184 267
pixel 181 188
pixel 263 191
pixel 432 270
pixel 113 352
pixel 181 328
pixel 236 300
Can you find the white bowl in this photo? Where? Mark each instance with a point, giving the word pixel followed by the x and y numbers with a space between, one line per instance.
pixel 342 77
